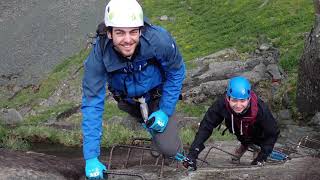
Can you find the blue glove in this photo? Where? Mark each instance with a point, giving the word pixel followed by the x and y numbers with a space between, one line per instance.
pixel 180 157
pixel 277 155
pixel 158 121
pixel 94 168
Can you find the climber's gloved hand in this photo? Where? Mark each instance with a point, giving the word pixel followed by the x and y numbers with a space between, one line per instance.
pixel 190 163
pixel 260 159
pixel 158 121
pixel 94 169
pixel 278 156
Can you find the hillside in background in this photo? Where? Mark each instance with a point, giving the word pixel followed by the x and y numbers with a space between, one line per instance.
pixel 206 26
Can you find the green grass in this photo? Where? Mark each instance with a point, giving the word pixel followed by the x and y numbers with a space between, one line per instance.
pixel 206 26
pixel 191 109
pixel 44 114
pixel 47 134
pixel 111 110
pixel 118 134
pixel 3 133
pixel 20 137
pixel 14 143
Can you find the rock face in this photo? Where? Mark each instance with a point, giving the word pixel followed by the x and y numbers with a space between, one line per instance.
pixel 211 77
pixel 10 116
pixel 21 165
pixel 315 121
pixel 308 91
pixel 220 166
pixel 300 168
pixel 38 35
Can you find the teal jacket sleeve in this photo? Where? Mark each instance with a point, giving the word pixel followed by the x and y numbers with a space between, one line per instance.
pixel 174 70
pixel 94 90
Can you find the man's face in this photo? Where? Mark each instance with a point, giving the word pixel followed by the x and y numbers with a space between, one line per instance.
pixel 238 105
pixel 125 40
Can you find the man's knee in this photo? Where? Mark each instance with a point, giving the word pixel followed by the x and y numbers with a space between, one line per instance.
pixel 169 146
pixel 169 150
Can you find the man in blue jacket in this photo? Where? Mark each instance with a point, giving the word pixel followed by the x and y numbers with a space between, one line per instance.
pixel 142 66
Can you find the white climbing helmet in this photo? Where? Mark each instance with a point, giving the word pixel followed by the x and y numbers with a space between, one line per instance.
pixel 123 13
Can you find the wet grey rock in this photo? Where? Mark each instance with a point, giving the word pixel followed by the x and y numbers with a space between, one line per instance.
pixel 10 116
pixel 205 91
pixel 294 132
pixel 229 54
pixel 164 18
pixel 257 74
pixel 271 56
pixel 22 165
pixel 315 120
pixel 210 78
pixel 221 168
pixel 274 71
pixel 284 114
pixel 23 174
pixel 264 47
pixel 38 35
pixel 221 70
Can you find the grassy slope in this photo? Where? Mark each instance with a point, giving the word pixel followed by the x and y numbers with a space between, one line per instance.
pixel 200 27
pixel 205 26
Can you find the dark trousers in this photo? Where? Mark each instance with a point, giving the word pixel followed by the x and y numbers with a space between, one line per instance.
pixel 168 142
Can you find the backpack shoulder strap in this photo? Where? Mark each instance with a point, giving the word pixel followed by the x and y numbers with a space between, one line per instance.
pixel 147 21
pixel 101 32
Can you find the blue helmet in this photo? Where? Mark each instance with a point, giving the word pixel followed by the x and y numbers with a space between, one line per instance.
pixel 239 88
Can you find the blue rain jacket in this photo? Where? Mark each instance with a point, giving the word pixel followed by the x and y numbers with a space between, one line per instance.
pixel 133 78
